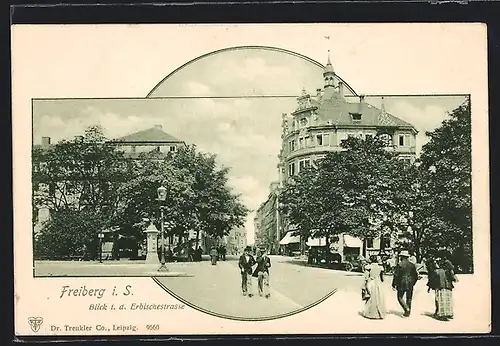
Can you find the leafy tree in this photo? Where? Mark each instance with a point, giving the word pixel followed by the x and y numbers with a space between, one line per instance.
pixel 350 191
pixel 69 233
pixel 198 197
pixel 369 209
pixel 139 198
pixel 88 177
pixel 447 156
pixel 77 177
pixel 216 208
pixel 79 173
pixel 421 227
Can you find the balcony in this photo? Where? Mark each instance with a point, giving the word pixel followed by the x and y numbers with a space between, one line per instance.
pixel 311 150
pixel 402 150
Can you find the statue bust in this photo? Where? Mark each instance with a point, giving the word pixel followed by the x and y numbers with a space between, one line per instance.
pixel 284 122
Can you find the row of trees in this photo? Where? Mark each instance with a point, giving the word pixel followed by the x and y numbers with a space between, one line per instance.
pixel 367 191
pixel 89 185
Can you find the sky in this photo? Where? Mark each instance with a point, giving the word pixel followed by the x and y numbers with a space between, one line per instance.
pixel 243 132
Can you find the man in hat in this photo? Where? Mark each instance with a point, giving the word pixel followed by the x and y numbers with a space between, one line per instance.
pixel 262 272
pixel 245 263
pixel 404 279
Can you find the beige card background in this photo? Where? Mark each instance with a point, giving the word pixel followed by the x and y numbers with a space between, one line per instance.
pixel 68 61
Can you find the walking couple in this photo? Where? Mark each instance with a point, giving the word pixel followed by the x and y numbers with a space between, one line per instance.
pixel 261 272
pixel 404 279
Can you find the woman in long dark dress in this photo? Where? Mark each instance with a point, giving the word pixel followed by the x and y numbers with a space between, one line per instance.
pixel 444 285
pixel 432 279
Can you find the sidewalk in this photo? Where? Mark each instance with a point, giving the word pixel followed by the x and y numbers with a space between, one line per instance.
pixel 217 289
pixel 466 319
pixel 105 269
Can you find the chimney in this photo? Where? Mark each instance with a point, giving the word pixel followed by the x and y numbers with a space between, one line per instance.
pixel 157 126
pixel 361 105
pixel 45 142
pixel 341 88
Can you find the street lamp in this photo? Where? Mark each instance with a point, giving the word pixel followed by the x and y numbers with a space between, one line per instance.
pixel 162 196
pixel 101 237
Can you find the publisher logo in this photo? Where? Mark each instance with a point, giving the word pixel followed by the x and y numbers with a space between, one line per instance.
pixel 35 323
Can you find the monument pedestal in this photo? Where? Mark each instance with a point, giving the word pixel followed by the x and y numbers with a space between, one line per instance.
pixel 152 245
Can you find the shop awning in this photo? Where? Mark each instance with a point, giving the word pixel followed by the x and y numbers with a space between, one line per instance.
pixel 350 241
pixel 316 242
pixel 290 239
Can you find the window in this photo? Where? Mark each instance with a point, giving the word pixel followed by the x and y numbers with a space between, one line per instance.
pixel 301 142
pixel 291 169
pixel 356 116
pixel 172 148
pixel 292 145
pixel 369 242
pixel 303 122
pixel 385 242
pixel 319 139
pixel 307 141
pixel 305 163
pixel 407 140
pixel 401 140
pixel 326 139
pixel 158 149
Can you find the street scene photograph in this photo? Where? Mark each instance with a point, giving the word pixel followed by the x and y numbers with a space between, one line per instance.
pixel 255 183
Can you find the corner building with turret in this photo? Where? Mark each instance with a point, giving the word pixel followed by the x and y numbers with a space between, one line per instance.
pixel 318 125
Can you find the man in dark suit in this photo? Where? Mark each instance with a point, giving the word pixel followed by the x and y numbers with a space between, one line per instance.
pixel 404 279
pixel 262 272
pixel 245 264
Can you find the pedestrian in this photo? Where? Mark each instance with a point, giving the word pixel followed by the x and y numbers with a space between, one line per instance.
pixel 432 278
pixel 262 273
pixel 190 253
pixel 223 252
pixel 198 253
pixel 443 286
pixel 404 279
pixel 213 255
pixel 374 300
pixel 245 263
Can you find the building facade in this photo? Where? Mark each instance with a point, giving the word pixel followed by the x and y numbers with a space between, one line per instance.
pixel 236 241
pixel 153 139
pixel 267 222
pixel 317 126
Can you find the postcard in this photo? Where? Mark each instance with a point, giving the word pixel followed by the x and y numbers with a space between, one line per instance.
pixel 250 179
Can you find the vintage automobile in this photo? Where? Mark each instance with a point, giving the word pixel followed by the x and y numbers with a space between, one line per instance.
pixel 322 258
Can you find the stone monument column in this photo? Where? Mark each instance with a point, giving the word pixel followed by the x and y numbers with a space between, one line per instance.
pixel 152 244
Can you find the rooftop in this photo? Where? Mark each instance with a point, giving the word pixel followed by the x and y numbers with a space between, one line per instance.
pixel 332 108
pixel 152 135
pixel 337 111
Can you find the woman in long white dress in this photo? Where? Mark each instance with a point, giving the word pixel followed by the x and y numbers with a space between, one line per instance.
pixel 375 305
